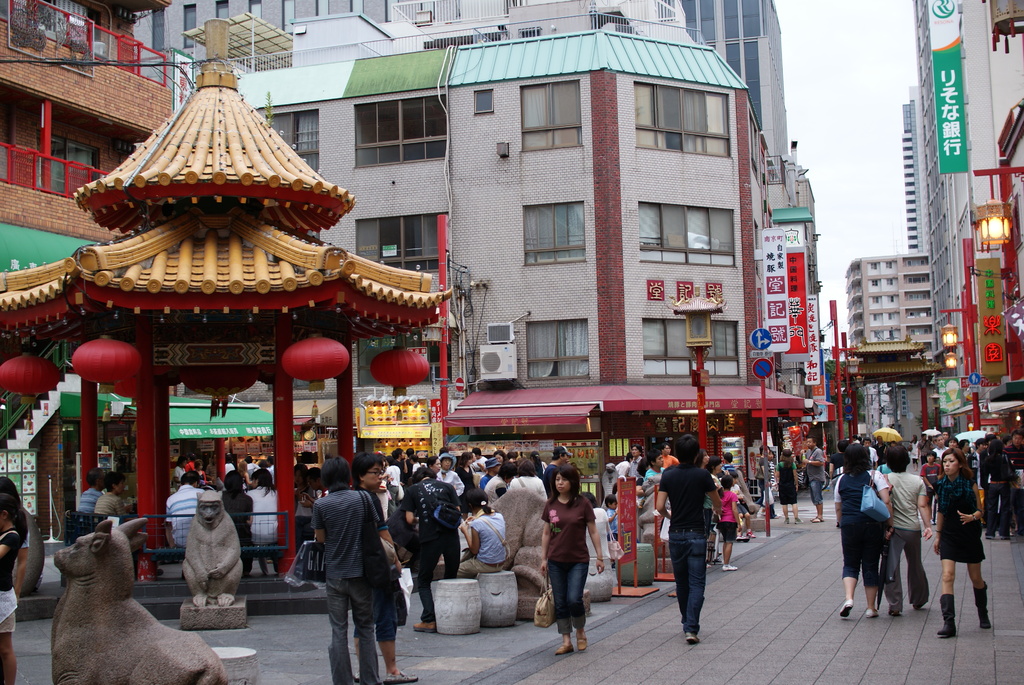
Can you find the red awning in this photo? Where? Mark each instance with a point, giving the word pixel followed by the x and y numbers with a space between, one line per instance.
pixel 475 417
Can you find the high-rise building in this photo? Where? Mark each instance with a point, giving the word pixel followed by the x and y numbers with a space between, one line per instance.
pixel 889 298
pixel 911 173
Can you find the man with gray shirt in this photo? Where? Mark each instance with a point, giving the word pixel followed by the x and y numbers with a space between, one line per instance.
pixel 815 469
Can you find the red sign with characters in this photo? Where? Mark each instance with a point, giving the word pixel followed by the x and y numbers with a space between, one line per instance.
pixel 655 290
pixel 627 520
pixel 435 411
pixel 684 290
pixel 796 279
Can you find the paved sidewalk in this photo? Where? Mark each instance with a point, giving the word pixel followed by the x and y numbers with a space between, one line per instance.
pixel 773 621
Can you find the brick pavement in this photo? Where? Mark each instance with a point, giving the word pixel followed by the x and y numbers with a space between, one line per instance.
pixel 773 621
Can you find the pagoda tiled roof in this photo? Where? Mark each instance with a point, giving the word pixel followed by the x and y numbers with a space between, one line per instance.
pixel 889 346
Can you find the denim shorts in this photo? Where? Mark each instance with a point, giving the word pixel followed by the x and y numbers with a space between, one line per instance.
pixel 385 616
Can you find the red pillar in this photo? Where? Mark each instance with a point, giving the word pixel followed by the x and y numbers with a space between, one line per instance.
pixel 969 317
pixel 161 443
pixel 924 406
pixel 346 448
pixel 835 358
pixel 702 412
pixel 145 439
pixel 89 439
pixel 220 449
pixel 284 443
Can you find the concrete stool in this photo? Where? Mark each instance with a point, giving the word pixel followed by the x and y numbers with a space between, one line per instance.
pixel 241 663
pixel 499 598
pixel 457 606
pixel 600 585
pixel 645 560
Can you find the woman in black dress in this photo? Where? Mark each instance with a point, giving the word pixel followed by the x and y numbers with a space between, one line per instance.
pixel 958 537
pixel 788 486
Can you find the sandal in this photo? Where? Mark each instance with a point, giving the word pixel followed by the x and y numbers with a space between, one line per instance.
pixel 817 520
pixel 395 678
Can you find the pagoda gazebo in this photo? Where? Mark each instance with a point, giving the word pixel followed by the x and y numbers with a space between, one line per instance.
pixel 217 275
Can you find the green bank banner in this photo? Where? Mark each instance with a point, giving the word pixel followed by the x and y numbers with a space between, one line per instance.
pixel 947 74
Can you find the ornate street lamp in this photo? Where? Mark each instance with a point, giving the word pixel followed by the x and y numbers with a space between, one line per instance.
pixel 950 360
pixel 992 221
pixel 853 365
pixel 949 335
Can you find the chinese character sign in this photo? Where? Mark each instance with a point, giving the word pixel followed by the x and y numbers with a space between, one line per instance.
pixel 684 290
pixel 627 519
pixel 796 302
pixel 655 290
pixel 776 297
pixel 812 367
pixel 991 331
pixel 948 79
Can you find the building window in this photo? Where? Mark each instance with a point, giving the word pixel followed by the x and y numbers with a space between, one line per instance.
pixel 288 9
pixel 707 20
pixel 732 19
pixel 551 115
pixel 256 8
pixel 189 23
pixel 558 349
pixel 407 242
pixel 301 130
pixel 751 18
pixel 677 119
pixel 752 73
pixel 873 266
pixel 221 9
pixel 553 233
pixel 483 101
pixel 400 131
pixel 694 235
pixel 666 354
pixel 158 26
pixel 62 148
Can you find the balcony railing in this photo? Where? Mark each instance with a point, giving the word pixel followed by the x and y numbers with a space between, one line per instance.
pixel 32 169
pixel 39 29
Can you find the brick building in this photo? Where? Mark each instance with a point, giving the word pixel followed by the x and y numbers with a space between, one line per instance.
pixel 77 91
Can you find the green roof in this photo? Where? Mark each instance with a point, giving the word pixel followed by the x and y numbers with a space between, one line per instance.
pixel 296 85
pixel 395 73
pixel 574 53
pixel 791 215
pixel 22 248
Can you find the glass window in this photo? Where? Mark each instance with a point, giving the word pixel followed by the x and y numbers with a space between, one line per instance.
pixel 732 19
pixel 553 233
pixel 690 10
pixel 751 18
pixel 407 242
pixel 159 28
pixel 677 119
pixel 256 8
pixel 752 71
pixel 221 9
pixel 400 131
pixel 551 115
pixel 666 354
pixel 483 101
pixel 694 235
pixel 288 9
pixel 189 23
pixel 733 59
pixel 557 349
pixel 707 19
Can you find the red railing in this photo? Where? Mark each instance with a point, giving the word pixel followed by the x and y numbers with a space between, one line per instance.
pixel 32 169
pixel 38 28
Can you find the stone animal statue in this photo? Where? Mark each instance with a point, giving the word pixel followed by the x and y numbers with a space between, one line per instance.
pixel 523 530
pixel 36 556
pixel 213 563
pixel 102 635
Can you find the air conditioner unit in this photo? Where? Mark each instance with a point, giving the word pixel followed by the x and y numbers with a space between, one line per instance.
pixel 500 333
pixel 498 363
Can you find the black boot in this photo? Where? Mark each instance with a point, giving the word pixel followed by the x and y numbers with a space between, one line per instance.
pixel 981 601
pixel 948 616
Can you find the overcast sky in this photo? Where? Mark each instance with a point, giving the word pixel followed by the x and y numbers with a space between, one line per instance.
pixel 848 69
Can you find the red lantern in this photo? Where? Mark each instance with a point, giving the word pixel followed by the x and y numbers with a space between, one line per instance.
pixel 218 381
pixel 315 359
pixel 29 376
pixel 126 388
pixel 106 361
pixel 399 368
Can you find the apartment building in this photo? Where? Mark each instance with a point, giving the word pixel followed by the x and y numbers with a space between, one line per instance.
pixel 889 298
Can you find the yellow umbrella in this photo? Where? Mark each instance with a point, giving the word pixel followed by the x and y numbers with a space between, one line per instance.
pixel 888 435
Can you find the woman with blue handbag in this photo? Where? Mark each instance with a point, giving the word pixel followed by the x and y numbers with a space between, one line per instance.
pixel 862 498
pixel 958 537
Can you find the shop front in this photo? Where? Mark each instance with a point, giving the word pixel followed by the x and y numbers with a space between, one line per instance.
pixel 386 424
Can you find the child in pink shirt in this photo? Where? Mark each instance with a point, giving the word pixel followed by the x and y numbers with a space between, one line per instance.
pixel 730 519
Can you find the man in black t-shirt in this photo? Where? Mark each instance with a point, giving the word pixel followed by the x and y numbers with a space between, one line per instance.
pixel 420 501
pixel 684 487
pixel 835 462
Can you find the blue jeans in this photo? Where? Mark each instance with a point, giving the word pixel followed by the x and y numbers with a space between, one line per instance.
pixel 567 581
pixel 355 594
pixel 688 551
pixel 385 616
pixel 816 486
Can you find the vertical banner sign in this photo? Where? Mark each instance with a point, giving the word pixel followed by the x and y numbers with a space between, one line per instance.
pixel 948 80
pixel 950 397
pixel 627 520
pixel 812 367
pixel 181 76
pixel 776 297
pixel 991 335
pixel 796 280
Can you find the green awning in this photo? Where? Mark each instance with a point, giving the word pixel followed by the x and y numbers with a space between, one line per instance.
pixel 791 215
pixel 71 404
pixel 23 248
pixel 1010 390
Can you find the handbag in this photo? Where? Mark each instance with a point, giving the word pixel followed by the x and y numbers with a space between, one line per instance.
pixel 375 561
pixel 308 566
pixel 871 504
pixel 544 612
pixel 614 550
pixel 446 514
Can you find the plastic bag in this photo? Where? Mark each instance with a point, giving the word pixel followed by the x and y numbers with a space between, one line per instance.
pixel 405 581
pixel 308 567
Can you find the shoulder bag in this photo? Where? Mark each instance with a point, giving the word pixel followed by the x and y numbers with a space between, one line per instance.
pixel 871 504
pixel 544 612
pixel 375 561
pixel 446 514
pixel 508 552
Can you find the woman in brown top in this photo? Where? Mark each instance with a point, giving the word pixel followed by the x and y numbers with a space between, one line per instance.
pixel 569 519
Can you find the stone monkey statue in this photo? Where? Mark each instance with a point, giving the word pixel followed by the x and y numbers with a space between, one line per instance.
pixel 102 635
pixel 213 564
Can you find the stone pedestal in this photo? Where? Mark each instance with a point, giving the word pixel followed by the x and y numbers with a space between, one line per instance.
pixel 499 597
pixel 601 585
pixel 214 618
pixel 241 663
pixel 457 606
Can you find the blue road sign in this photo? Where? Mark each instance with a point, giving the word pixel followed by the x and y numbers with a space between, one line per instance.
pixel 974 378
pixel 760 339
pixel 762 368
pixel 848 410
